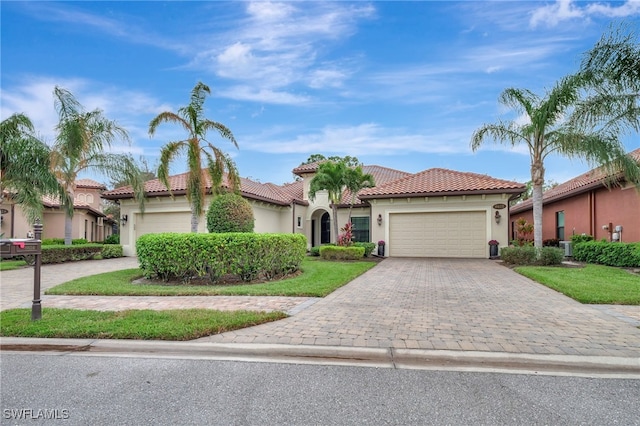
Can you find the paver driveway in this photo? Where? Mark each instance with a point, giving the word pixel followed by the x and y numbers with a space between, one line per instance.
pixel 454 304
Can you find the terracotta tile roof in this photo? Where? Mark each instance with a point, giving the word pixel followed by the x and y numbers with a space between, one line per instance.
pixel 89 183
pixel 381 176
pixel 54 202
pixel 441 181
pixel 269 192
pixel 306 168
pixel 592 179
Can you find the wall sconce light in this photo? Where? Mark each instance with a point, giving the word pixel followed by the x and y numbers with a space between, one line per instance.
pixel 497 216
pixel 379 220
pixel 124 219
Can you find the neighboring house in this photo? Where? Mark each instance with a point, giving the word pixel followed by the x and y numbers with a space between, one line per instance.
pixel 89 222
pixel 435 213
pixel 585 205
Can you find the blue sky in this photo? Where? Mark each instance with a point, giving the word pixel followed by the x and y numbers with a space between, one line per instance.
pixel 398 84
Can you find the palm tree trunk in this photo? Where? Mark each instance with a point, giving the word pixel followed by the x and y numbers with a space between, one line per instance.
pixel 68 224
pixel 334 208
pixel 537 177
pixel 194 219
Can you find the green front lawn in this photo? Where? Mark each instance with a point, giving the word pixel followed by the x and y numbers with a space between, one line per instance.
pixel 7 265
pixel 594 284
pixel 184 324
pixel 318 279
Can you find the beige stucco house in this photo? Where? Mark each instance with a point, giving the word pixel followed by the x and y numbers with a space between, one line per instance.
pixel 434 213
pixel 89 222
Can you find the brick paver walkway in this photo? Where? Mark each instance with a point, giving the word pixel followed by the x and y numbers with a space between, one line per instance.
pixel 453 304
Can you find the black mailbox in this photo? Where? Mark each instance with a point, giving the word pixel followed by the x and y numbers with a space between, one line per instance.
pixel 19 247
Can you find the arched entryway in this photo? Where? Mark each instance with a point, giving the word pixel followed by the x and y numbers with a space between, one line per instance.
pixel 320 228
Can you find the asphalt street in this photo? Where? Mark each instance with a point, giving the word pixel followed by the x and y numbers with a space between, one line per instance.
pixel 81 390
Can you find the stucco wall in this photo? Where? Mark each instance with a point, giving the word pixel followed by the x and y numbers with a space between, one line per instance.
pixel 588 212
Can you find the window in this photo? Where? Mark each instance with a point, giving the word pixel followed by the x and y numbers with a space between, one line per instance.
pixel 299 222
pixel 560 225
pixel 360 229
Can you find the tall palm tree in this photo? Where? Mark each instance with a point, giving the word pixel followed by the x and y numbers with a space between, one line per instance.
pixel 548 129
pixel 81 140
pixel 25 166
pixel 191 118
pixel 355 181
pixel 330 177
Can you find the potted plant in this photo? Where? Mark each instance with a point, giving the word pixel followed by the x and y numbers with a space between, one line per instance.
pixel 381 244
pixel 493 248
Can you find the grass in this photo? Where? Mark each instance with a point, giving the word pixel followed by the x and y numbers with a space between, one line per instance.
pixel 318 279
pixel 185 324
pixel 7 265
pixel 594 284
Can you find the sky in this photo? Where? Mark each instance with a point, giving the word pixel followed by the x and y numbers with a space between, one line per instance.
pixel 396 84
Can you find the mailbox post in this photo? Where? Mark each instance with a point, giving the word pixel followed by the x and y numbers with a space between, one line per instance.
pixel 19 247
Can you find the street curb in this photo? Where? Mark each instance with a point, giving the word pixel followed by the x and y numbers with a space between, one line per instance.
pixel 620 367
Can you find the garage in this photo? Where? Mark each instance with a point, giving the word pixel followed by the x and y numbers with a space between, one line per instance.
pixel 153 223
pixel 438 234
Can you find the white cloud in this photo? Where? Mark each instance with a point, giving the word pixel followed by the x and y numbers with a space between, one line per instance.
pixel 564 10
pixel 268 96
pixel 363 139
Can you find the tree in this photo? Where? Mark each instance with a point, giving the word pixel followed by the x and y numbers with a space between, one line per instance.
pixel 191 118
pixel 81 141
pixel 25 166
pixel 560 123
pixel 355 181
pixel 330 177
pixel 230 213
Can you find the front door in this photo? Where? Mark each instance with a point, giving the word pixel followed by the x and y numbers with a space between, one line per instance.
pixel 325 229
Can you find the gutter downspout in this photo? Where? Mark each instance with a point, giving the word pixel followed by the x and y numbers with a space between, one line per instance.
pixel 293 218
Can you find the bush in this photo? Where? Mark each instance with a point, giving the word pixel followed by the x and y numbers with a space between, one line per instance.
pixel 110 251
pixel 518 255
pixel 60 241
pixel 608 253
pixel 551 242
pixel 527 255
pixel 112 239
pixel 341 253
pixel 230 213
pixel 62 253
pixel 315 251
pixel 246 255
pixel 368 248
pixel 576 239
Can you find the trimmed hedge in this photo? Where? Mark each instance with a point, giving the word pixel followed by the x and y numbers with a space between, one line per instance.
pixel 368 248
pixel 60 254
pixel 246 255
pixel 110 251
pixel 60 241
pixel 607 253
pixel 527 255
pixel 112 239
pixel 341 253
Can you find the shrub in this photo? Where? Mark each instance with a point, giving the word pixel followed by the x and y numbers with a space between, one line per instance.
pixel 550 256
pixel 229 213
pixel 112 239
pixel 527 255
pixel 368 248
pixel 608 253
pixel 110 251
pixel 341 253
pixel 246 255
pixel 519 255
pixel 582 238
pixel 62 253
pixel 315 251
pixel 551 242
pixel 345 239
pixel 60 241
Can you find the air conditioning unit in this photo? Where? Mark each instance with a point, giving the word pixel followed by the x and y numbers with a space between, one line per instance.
pixel 566 246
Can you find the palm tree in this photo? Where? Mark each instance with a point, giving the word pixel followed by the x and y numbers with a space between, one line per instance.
pixel 81 140
pixel 25 166
pixel 547 130
pixel 330 177
pixel 355 181
pixel 191 118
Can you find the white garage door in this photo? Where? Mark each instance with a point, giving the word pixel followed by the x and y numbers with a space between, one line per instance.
pixel 154 223
pixel 438 234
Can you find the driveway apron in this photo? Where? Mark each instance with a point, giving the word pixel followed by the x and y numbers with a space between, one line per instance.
pixel 451 304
